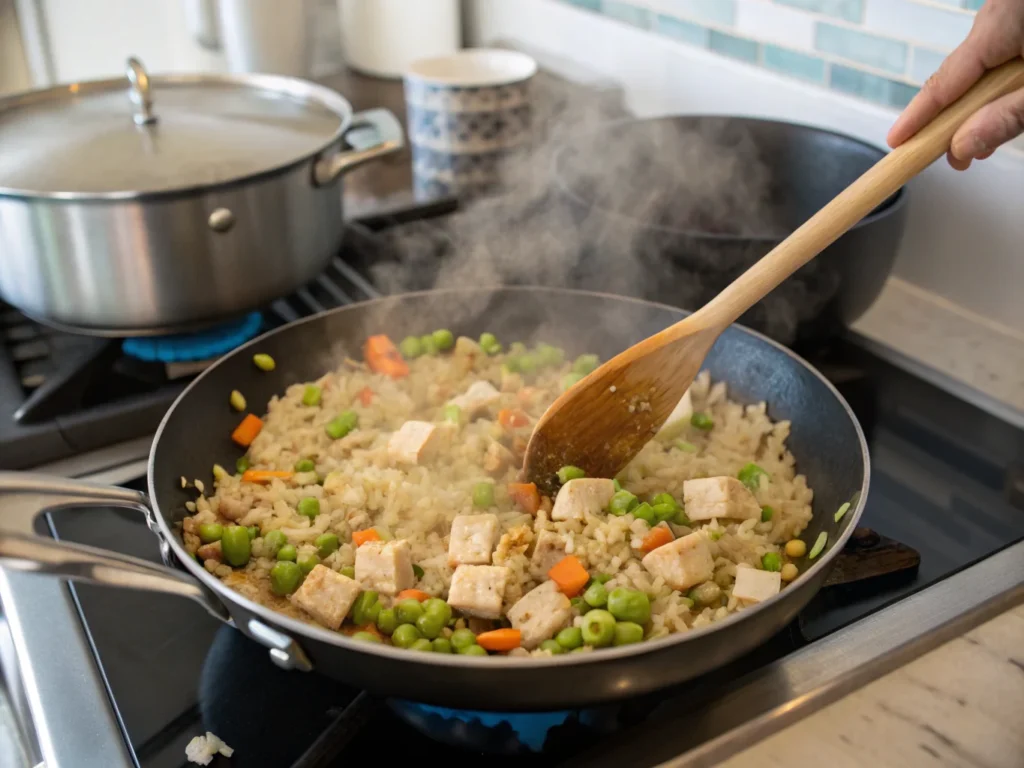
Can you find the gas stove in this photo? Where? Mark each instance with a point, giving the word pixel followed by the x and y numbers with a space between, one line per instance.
pixel 117 678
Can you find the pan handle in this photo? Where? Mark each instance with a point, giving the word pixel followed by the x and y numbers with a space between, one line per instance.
pixel 390 139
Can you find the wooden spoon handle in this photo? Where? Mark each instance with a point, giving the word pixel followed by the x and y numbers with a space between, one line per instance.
pixel 860 198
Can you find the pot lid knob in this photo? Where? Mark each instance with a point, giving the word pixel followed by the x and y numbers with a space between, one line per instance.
pixel 139 91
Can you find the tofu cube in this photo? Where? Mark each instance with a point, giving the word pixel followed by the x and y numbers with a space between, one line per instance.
pixel 754 586
pixel 472 539
pixel 478 590
pixel 679 419
pixel 577 497
pixel 414 443
pixel 385 566
pixel 479 395
pixel 540 613
pixel 682 563
pixel 327 596
pixel 548 551
pixel 722 497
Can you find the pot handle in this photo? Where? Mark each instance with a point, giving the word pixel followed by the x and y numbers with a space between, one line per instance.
pixel 391 139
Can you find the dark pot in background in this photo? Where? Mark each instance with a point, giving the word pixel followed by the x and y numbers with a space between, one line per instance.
pixel 675 208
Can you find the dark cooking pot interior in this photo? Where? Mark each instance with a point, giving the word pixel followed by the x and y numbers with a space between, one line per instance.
pixel 718 177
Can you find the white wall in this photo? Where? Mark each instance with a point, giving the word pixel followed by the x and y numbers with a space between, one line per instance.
pixel 965 235
pixel 14 74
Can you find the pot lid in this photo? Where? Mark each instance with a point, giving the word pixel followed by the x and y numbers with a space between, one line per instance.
pixel 137 135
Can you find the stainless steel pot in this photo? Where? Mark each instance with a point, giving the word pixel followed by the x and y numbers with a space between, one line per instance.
pixel 149 205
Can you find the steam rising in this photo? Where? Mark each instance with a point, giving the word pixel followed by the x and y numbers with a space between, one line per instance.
pixel 615 207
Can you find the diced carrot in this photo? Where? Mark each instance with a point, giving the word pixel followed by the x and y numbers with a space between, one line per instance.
pixel 655 538
pixel 246 432
pixel 383 356
pixel 413 594
pixel 350 629
pixel 361 537
pixel 570 576
pixel 511 418
pixel 526 496
pixel 500 639
pixel 265 475
pixel 365 395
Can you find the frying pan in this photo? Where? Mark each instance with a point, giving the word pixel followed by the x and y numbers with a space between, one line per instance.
pixel 194 435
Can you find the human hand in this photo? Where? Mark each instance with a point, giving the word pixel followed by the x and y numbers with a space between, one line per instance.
pixel 996 37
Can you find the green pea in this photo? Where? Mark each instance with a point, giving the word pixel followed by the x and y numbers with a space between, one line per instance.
pixel 408 611
pixel 273 542
pixel 596 595
pixel 264 362
pixel 569 472
pixel 253 531
pixel 598 628
pixel 579 604
pixel 430 625
pixel 569 638
pixel 511 364
pixel 287 552
pixel 603 578
pixel 483 495
pixel 387 622
pixel 681 518
pixel 528 364
pixel 771 561
pixel 405 635
pixel 665 498
pixel 284 578
pixel 428 345
pixel 702 421
pixel 326 544
pixel 549 356
pixel 309 506
pixel 443 339
pixel 410 347
pixel 462 638
pixel 750 475
pixel 552 647
pixel 586 364
pixel 210 532
pixel 435 606
pixel 423 644
pixel 766 514
pixel 569 379
pixel 366 608
pixel 473 650
pixel 235 546
pixel 664 512
pixel 365 637
pixel 441 645
pixel 489 341
pixel 342 425
pixel 627 633
pixel 311 395
pixel 305 465
pixel 452 414
pixel 622 502
pixel 308 562
pixel 629 605
pixel 349 571
pixel 685 447
pixel 644 512
pixel 242 464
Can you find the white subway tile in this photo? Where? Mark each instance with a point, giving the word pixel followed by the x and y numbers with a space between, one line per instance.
pixel 926 24
pixel 775 23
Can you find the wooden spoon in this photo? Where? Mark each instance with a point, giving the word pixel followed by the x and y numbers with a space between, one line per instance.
pixel 603 421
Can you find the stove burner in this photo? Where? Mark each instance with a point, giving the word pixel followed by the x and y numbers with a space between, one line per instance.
pixel 191 347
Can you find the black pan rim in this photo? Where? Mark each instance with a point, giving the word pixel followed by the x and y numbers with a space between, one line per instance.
pixel 299 629
pixel 897 201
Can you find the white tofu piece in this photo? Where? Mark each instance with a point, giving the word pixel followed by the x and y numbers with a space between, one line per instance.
pixel 754 586
pixel 327 596
pixel 540 613
pixel 478 590
pixel 472 539
pixel 385 566
pixel 682 563
pixel 577 497
pixel 479 395
pixel 548 551
pixel 414 442
pixel 721 497
pixel 679 419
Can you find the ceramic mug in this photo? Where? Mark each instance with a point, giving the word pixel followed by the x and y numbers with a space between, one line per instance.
pixel 469 115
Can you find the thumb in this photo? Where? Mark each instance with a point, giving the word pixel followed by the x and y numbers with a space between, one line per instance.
pixel 991 126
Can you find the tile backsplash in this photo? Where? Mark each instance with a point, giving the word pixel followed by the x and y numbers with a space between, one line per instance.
pixel 879 50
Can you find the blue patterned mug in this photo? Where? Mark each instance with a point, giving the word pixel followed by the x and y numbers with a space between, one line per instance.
pixel 469 114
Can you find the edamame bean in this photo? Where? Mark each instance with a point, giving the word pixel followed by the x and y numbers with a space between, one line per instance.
pixel 622 502
pixel 387 622
pixel 629 605
pixel 410 347
pixel 644 512
pixel 284 578
pixel 237 400
pixel 596 595
pixel 273 542
pixel 452 414
pixel 483 495
pixel 441 645
pixel 462 638
pixel 253 531
pixel 264 362
pixel 598 628
pixel 473 650
pixel 311 395
pixel 305 465
pixel 681 517
pixel 706 594
pixel 663 512
pixel 702 421
pixel 569 472
pixel 309 506
pixel 366 608
pixel 349 571
pixel 342 425
pixel 552 647
pixel 308 562
pixel 570 637
pixel 235 546
pixel 287 552
pixel 366 637
pixel 210 532
pixel 405 635
pixel 627 633
pixel 408 611
pixel 326 544
pixel 242 464
pixel 586 364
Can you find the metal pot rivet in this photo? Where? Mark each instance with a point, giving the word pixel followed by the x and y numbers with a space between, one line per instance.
pixel 221 220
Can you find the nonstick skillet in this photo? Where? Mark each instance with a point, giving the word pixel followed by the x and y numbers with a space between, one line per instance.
pixel 194 435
